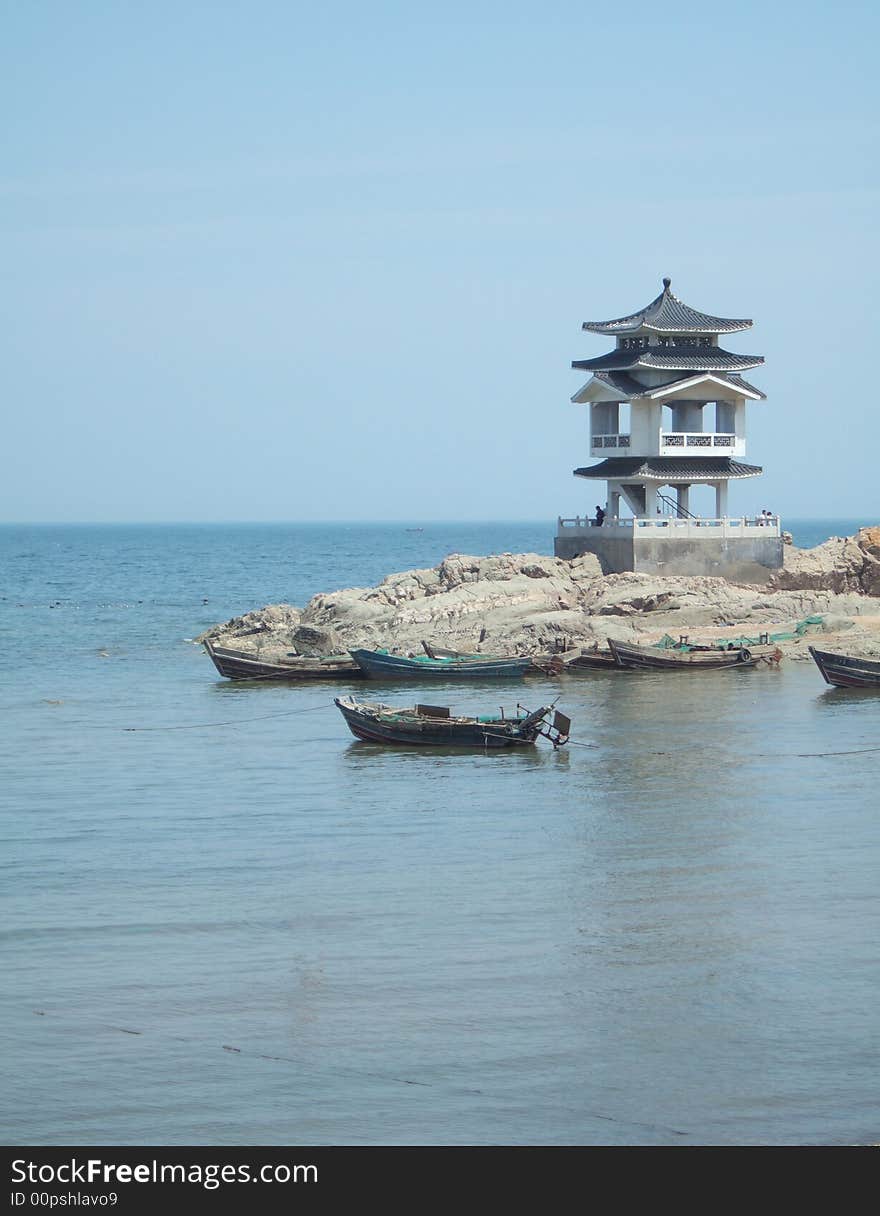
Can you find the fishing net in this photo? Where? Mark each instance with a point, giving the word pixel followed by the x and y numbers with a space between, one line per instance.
pixel 802 627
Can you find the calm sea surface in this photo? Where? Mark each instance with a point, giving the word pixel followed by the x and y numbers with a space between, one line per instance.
pixel 227 922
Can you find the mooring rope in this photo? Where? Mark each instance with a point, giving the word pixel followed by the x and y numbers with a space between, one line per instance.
pixel 284 713
pixel 306 1066
pixel 855 751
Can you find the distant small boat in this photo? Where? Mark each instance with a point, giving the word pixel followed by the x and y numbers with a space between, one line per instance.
pixel 702 659
pixel 242 665
pixel 380 665
pixel 847 671
pixel 436 725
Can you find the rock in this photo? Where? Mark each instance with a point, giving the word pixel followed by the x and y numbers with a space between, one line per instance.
pixel 834 566
pixel 843 564
pixel 585 567
pixel 870 578
pixel 836 624
pixel 313 642
pixel 530 603
pixel 276 618
pixel 868 540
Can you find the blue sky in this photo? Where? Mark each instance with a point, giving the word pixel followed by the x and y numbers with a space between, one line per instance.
pixel 270 261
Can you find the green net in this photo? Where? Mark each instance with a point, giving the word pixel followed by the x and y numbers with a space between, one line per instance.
pixel 802 627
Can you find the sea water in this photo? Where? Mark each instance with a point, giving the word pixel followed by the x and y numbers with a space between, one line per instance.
pixel 225 921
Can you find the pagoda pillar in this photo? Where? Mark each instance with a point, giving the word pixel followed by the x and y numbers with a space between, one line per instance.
pixel 720 499
pixel 682 501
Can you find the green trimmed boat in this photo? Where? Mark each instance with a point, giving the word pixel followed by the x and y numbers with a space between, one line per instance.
pixel 380 665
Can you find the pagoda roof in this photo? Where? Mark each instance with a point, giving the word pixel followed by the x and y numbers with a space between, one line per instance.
pixel 669 315
pixel 704 358
pixel 662 468
pixel 631 389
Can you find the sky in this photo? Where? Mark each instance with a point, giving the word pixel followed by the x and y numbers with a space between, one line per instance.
pixel 281 261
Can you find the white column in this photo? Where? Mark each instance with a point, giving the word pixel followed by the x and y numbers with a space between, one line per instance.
pixel 651 499
pixel 687 415
pixel 720 499
pixel 682 496
pixel 740 426
pixel 645 423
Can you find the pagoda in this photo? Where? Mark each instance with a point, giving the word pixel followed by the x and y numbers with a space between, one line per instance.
pixel 667 413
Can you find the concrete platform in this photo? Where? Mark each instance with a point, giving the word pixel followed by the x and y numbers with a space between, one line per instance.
pixel 724 548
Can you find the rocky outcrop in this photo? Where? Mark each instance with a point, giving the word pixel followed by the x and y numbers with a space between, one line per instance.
pixel 869 540
pixel 281 619
pixel 529 604
pixel 477 603
pixel 314 642
pixel 844 564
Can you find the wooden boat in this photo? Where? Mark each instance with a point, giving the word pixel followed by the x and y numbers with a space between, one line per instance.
pixel 436 725
pixel 847 671
pixel 241 665
pixel 702 659
pixel 539 664
pixel 380 665
pixel 589 659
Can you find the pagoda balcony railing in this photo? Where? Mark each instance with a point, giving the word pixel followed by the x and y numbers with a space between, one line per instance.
pixel 672 528
pixel 601 442
pixel 675 442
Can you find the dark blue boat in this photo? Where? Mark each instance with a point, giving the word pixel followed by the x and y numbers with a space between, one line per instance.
pixel 380 665
pixel 847 671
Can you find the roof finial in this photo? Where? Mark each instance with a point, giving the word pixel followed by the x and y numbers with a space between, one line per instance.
pixel 667 283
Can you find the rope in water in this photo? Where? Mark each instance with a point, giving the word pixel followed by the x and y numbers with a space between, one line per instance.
pixel 284 713
pixel 304 1064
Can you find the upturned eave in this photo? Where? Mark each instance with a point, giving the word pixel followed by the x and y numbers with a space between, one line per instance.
pixel 667 314
pixel 618 386
pixel 669 469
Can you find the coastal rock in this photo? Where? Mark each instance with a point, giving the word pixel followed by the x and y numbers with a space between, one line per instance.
pixel 274 618
pixel 584 568
pixel 314 642
pixel 530 604
pixel 868 540
pixel 358 605
pixel 870 578
pixel 833 623
pixel 506 601
pixel 842 564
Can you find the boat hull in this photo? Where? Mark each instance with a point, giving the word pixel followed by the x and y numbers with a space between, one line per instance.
pixel 593 660
pixel 378 666
pixel 655 659
pixel 847 671
pixel 238 665
pixel 376 723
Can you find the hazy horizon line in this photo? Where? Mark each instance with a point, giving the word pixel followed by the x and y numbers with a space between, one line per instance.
pixel 416 523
